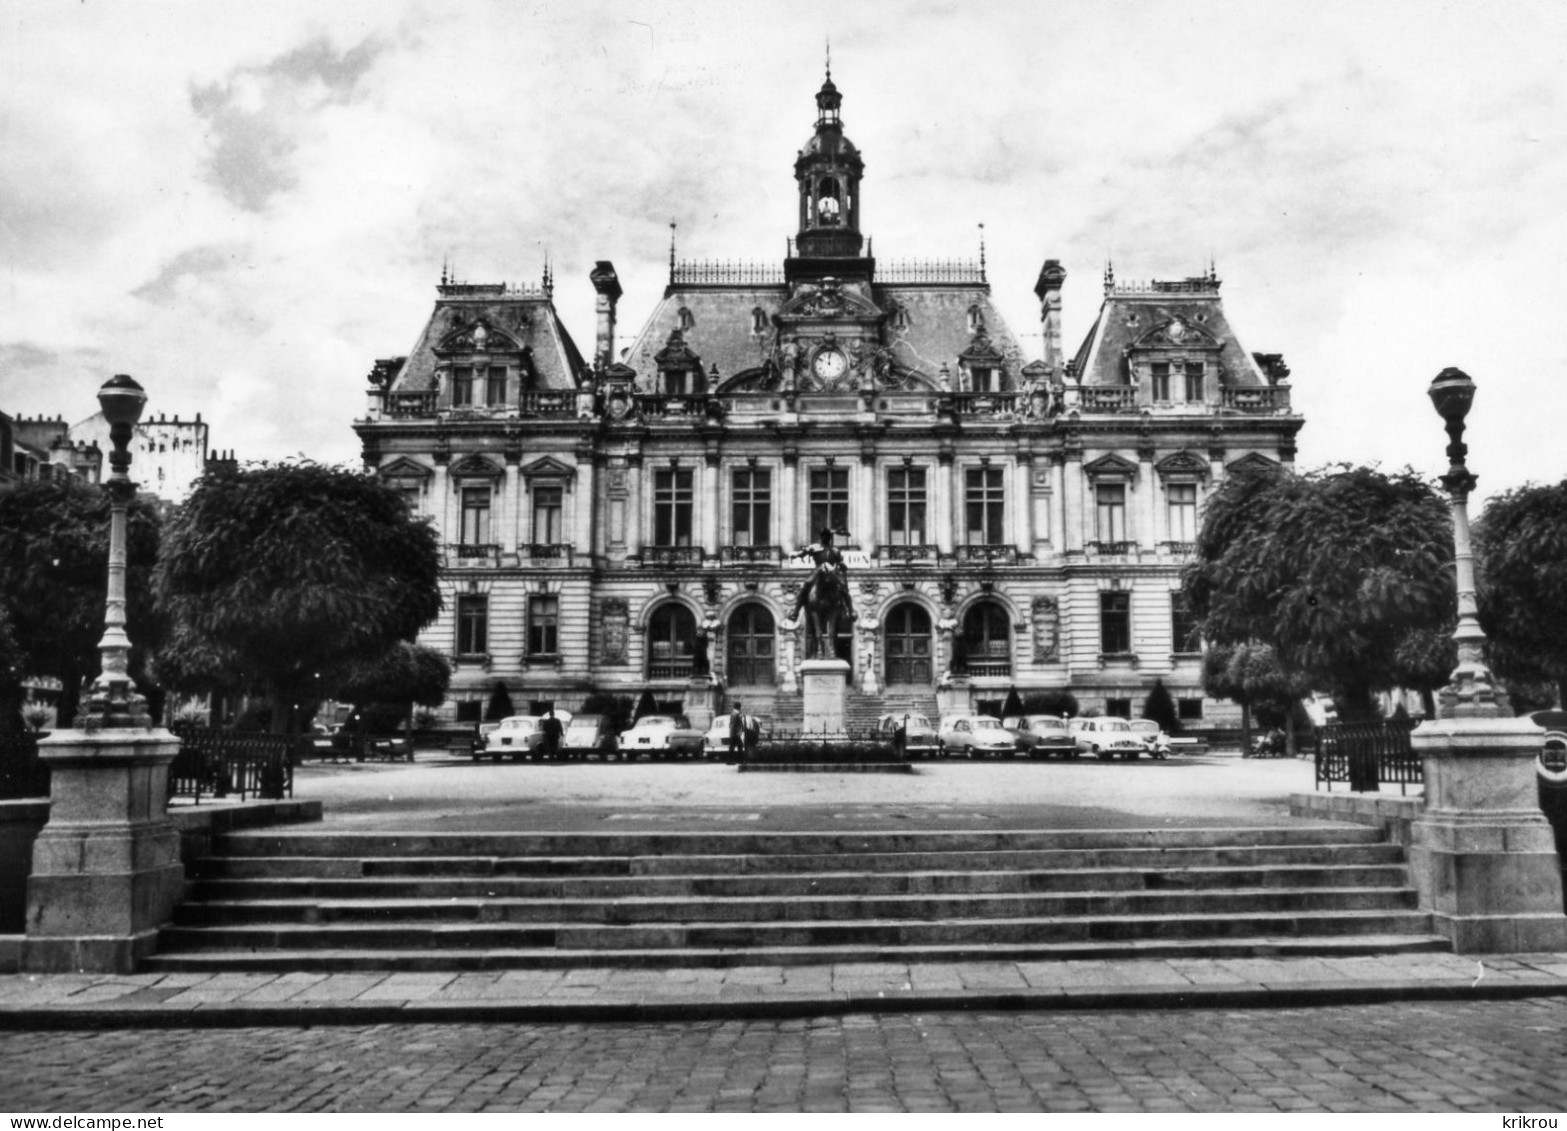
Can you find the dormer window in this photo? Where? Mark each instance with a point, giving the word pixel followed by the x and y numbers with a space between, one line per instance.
pixel 983 379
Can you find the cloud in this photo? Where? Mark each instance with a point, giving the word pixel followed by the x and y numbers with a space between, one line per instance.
pixel 257 114
pixel 193 262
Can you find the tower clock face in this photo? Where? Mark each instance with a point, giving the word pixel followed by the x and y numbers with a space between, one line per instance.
pixel 829 365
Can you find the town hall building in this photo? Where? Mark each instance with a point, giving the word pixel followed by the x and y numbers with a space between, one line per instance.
pixel 611 522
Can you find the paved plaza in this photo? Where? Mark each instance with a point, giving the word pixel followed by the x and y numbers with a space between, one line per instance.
pixel 1471 1056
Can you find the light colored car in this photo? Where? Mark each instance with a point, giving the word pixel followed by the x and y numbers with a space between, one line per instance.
pixel 515 738
pixel 715 743
pixel 977 736
pixel 661 736
pixel 1042 736
pixel 1156 744
pixel 1106 738
pixel 910 734
pixel 590 735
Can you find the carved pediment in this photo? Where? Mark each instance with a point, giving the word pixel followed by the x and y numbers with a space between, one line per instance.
pixel 1111 465
pixel 476 467
pixel 1182 463
pixel 1253 462
pixel 829 300
pixel 548 467
pixel 981 350
pixel 1177 334
pixel 404 468
pixel 477 337
pixel 676 354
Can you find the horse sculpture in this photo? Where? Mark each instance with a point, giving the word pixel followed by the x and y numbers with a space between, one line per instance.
pixel 825 607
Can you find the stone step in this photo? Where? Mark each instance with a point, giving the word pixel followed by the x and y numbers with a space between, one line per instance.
pixel 329 960
pixel 311 842
pixel 1093 859
pixel 416 935
pixel 780 885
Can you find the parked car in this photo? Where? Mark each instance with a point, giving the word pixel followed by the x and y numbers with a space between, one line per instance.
pixel 1106 738
pixel 1042 736
pixel 685 741
pixel 715 743
pixel 1156 744
pixel 321 738
pixel 590 736
pixel 977 736
pixel 481 739
pixel 516 737
pixel 661 736
pixel 911 735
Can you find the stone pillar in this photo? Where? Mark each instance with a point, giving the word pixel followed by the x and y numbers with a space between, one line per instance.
pixel 1072 500
pixel 787 505
pixel 709 499
pixel 586 504
pixel 946 505
pixel 826 683
pixel 1058 500
pixel 1023 503
pixel 864 520
pixel 1482 854
pixel 635 504
pixel 1149 482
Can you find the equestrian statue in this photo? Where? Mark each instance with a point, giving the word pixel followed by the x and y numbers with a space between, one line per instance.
pixel 824 598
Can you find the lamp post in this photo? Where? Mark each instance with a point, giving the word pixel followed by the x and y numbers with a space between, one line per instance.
pixel 1470 692
pixel 113 701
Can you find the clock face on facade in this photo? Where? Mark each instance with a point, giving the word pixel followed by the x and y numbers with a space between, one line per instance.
pixel 829 365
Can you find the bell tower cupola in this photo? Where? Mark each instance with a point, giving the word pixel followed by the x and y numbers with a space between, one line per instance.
pixel 828 172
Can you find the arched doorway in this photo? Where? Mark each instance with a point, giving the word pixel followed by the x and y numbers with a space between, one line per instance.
pixel 752 647
pixel 671 632
pixel 986 641
pixel 909 647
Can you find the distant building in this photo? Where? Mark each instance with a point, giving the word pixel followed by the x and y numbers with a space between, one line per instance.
pixel 43 448
pixel 1010 522
pixel 169 455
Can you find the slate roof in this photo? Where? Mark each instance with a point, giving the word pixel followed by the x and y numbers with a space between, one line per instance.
pixel 526 316
pixel 1129 314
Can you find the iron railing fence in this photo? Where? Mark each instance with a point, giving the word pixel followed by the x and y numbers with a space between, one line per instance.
pixel 221 763
pixel 1367 754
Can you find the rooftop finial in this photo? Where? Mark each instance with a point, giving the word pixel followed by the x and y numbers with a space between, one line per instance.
pixel 1109 275
pixel 829 58
pixel 445 277
pixel 671 252
pixel 982 249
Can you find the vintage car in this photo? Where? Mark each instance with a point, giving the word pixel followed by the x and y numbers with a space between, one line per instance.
pixel 976 736
pixel 1042 736
pixel 516 737
pixel 590 736
pixel 911 735
pixel 1156 744
pixel 661 736
pixel 1106 738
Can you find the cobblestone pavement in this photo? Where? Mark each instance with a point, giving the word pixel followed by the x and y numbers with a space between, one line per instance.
pixel 1461 1056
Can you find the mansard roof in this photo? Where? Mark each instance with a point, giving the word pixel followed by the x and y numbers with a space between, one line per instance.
pixel 1186 315
pixel 514 320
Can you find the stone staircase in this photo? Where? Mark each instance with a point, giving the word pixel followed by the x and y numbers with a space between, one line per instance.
pixel 323 901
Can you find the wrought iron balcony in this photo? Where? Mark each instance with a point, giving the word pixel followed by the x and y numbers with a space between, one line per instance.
pixel 750 555
pixel 468 552
pixel 1112 549
pixel 987 552
pixel 671 555
pixel 1181 549
pixel 674 404
pixel 920 552
pixel 401 405
pixel 536 552
pixel 983 404
pixel 669 669
pixel 983 668
pixel 1108 398
pixel 1260 399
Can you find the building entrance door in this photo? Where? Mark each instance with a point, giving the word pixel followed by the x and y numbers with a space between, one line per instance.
pixel 908 645
pixel 752 646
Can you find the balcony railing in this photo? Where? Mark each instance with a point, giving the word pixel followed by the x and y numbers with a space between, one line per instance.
pixel 987 553
pixel 1108 549
pixel 672 404
pixel 558 402
pixel 1108 398
pixel 475 551
pixel 671 555
pixel 750 555
pixel 983 404
pixel 546 552
pixel 1181 549
pixel 725 272
pixel 983 669
pixel 1265 398
pixel 402 404
pixel 669 669
pixel 941 271
pixel 907 554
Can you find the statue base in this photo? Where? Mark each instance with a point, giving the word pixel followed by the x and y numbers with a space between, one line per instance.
pixel 701 703
pixel 826 687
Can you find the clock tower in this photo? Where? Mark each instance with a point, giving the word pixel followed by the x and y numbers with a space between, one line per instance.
pixel 828 172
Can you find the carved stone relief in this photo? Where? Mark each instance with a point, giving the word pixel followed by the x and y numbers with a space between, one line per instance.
pixel 1046 616
pixel 617 616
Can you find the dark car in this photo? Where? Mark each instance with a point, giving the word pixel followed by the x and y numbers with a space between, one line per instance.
pixel 1042 736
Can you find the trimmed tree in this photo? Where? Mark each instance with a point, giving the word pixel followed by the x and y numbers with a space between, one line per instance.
pixel 285 579
pixel 1345 572
pixel 54 579
pixel 1160 707
pixel 1520 547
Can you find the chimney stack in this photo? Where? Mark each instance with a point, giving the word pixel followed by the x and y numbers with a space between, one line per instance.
pixel 1051 276
pixel 607 284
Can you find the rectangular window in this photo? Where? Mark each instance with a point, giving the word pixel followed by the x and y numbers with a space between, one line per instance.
pixel 1194 382
pixel 462 386
pixel 982 506
pixel 543 623
pixel 1111 500
pixel 829 499
pixel 1183 625
pixel 906 506
pixel 1115 622
pixel 473 625
pixel 547 502
pixel 672 507
pixel 984 380
pixel 752 499
pixel 1161 380
pixel 411 496
pixel 1118 708
pixel 469 710
pixel 475 516
pixel 1190 710
pixel 495 385
pixel 1183 511
pixel 675 382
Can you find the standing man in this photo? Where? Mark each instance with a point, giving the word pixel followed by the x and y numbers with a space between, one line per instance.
pixel 736 733
pixel 550 728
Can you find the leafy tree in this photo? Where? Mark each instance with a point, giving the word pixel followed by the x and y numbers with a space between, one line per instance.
pixel 54 579
pixel 406 676
pixel 1521 567
pixel 285 579
pixel 1058 703
pixel 1346 573
pixel 1160 707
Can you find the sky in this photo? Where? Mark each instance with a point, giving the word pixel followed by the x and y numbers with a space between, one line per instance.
pixel 244 205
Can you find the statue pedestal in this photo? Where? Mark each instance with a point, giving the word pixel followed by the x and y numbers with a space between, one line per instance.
pixel 701 702
pixel 1482 854
pixel 106 868
pixel 826 685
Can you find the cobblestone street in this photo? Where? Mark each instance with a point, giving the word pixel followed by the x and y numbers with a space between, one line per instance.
pixel 1473 1056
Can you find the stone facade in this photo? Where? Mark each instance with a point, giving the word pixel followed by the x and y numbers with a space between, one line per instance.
pixel 1007 522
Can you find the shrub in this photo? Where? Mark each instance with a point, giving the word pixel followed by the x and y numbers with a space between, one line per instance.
pixel 1161 709
pixel 1059 702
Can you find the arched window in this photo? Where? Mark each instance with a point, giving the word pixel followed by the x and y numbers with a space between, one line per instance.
pixel 752 646
pixel 827 206
pixel 671 632
pixel 908 645
pixel 987 640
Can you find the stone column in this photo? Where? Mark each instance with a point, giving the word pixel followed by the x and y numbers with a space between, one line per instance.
pixel 708 498
pixel 1058 500
pixel 586 504
pixel 1072 500
pixel 864 531
pixel 1023 503
pixel 946 502
pixel 634 505
pixel 788 505
pixel 1150 484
